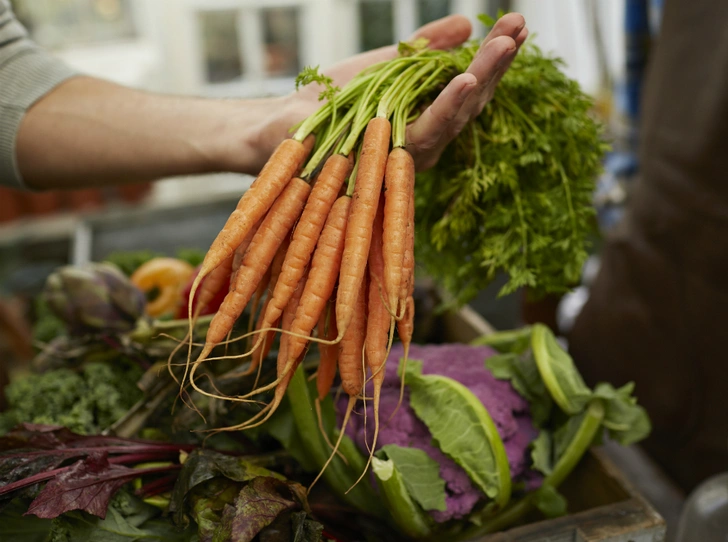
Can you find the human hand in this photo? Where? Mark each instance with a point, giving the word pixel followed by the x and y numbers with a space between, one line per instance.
pixel 460 101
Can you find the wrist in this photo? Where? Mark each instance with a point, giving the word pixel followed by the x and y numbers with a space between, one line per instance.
pixel 249 131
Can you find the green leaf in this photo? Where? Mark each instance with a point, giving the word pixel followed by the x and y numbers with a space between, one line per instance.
pixel 18 528
pixel 550 502
pixel 513 341
pixel 208 502
pixel 305 529
pixel 522 372
pixel 625 420
pixel 487 20
pixel 463 429
pixel 420 474
pixel 311 74
pixel 204 465
pixel 192 256
pixel 282 427
pixel 85 401
pixel 406 514
pixel 541 452
pixel 128 519
pixel 224 530
pixel 559 374
pixel 564 435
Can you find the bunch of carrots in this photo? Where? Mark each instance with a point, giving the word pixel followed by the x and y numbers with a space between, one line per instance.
pixel 323 241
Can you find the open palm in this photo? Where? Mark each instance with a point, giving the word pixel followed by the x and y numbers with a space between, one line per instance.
pixel 461 100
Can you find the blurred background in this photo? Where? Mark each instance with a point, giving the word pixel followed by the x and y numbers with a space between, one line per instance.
pixel 248 48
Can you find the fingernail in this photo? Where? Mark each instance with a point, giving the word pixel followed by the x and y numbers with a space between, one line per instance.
pixel 506 56
pixel 465 91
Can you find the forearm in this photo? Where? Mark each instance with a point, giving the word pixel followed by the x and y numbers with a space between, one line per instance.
pixel 88 132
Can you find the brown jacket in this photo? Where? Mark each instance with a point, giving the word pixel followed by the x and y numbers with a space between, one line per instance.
pixel 658 312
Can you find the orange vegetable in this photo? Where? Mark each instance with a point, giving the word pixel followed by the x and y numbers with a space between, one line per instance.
pixel 254 204
pixel 262 347
pixel 399 180
pixel 379 320
pixel 307 233
pixel 322 277
pixel 407 285
pixel 368 187
pixel 351 366
pixel 266 242
pixel 328 352
pixel 169 276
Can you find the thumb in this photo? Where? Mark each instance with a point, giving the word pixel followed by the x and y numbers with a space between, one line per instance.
pixel 445 33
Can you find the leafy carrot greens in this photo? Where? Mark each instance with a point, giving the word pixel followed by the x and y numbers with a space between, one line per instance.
pixel 513 193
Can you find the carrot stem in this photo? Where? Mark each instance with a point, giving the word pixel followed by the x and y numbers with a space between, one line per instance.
pixel 352 90
pixel 329 142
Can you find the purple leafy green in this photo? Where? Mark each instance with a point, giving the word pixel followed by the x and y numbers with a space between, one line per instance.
pixel 83 472
pixel 87 485
pixel 258 505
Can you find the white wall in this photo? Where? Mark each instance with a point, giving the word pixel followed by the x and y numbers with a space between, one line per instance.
pixel 565 28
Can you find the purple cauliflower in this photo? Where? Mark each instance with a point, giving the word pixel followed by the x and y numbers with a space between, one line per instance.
pixel 466 364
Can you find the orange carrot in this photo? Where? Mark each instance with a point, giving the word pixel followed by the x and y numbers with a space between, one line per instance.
pixel 255 203
pixel 378 317
pixel 322 277
pixel 380 322
pixel 257 297
pixel 250 210
pixel 407 285
pixel 328 352
pixel 284 373
pixel 398 185
pixel 406 324
pixel 263 350
pixel 266 242
pixel 260 354
pixel 405 328
pixel 352 346
pixel 239 253
pixel 369 178
pixel 307 232
pixel 209 288
pixel 350 366
pixel 289 315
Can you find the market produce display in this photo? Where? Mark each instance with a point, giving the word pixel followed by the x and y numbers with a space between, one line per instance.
pixel 262 392
pixel 513 195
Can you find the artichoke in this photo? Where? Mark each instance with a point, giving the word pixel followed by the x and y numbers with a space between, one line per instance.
pixel 94 297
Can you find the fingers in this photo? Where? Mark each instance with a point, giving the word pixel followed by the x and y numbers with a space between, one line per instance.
pixel 441 116
pixel 495 55
pixel 522 37
pixel 510 24
pixel 465 96
pixel 488 66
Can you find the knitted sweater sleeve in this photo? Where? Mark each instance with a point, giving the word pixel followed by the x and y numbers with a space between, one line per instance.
pixel 27 73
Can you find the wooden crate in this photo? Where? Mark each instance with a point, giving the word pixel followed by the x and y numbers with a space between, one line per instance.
pixel 603 505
